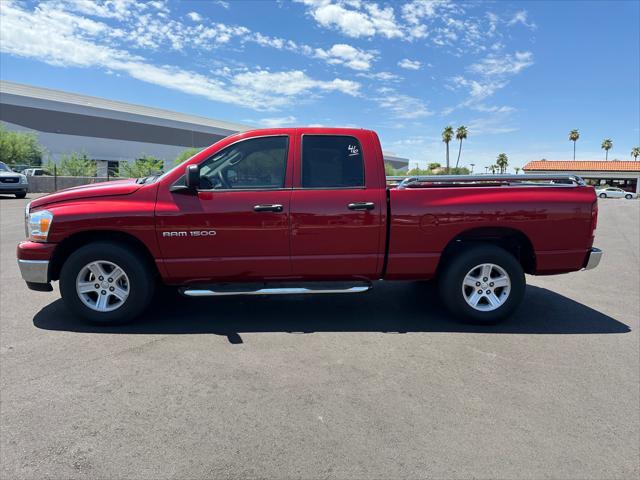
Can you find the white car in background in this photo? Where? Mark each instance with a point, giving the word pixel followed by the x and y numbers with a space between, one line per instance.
pixel 12 183
pixel 614 192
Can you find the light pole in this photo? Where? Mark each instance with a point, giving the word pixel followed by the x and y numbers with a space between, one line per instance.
pixel 472 165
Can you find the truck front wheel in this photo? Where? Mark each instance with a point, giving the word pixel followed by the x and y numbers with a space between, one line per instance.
pixel 482 284
pixel 106 283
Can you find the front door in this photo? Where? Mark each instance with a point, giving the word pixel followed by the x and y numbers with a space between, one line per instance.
pixel 236 227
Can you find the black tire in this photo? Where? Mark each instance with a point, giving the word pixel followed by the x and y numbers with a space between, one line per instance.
pixel 603 195
pixel 141 282
pixel 628 196
pixel 21 195
pixel 455 269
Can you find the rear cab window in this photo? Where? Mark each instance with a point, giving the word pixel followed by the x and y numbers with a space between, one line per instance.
pixel 332 161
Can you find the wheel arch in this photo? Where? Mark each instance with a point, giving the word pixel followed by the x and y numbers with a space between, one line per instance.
pixel 80 239
pixel 512 240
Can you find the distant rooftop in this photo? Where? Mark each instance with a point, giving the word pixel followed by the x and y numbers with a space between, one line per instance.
pixel 582 166
pixel 10 90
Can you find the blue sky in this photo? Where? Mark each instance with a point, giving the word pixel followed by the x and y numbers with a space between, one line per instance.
pixel 519 75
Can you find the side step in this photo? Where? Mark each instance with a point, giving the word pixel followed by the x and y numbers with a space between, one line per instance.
pixel 315 288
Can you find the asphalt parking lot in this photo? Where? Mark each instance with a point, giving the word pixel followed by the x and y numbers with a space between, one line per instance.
pixel 381 385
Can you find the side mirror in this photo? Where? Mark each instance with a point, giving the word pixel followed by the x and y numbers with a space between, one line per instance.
pixel 192 177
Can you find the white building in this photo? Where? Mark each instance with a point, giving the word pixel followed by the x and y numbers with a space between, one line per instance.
pixel 109 131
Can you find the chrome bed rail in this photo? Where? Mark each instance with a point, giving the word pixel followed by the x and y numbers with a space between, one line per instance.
pixel 512 180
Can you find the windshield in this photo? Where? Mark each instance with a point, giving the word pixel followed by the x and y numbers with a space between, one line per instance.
pixel 4 168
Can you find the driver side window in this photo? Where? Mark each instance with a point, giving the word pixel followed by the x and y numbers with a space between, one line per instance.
pixel 256 163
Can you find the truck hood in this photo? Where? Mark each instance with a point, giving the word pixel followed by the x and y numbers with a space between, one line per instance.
pixel 104 189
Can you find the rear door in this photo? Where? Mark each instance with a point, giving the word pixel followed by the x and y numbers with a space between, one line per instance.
pixel 336 209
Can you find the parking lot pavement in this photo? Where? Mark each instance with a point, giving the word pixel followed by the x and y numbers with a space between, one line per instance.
pixel 382 385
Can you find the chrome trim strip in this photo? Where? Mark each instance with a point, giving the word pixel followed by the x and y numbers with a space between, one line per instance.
pixel 520 180
pixel 27 210
pixel 34 271
pixel 594 258
pixel 273 291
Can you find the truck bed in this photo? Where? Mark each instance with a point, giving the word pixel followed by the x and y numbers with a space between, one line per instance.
pixel 428 215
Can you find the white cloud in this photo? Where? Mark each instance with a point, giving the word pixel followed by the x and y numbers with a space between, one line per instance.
pixel 493 125
pixel 503 65
pixel 62 40
pixel 118 9
pixel 382 76
pixel 494 72
pixel 522 17
pixel 478 90
pixel 275 122
pixel 195 16
pixel 354 19
pixel 342 54
pixel 409 64
pixel 401 105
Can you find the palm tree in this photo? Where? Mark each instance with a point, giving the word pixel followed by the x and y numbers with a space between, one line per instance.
pixel 447 136
pixel 517 169
pixel 461 134
pixel 607 145
pixel 493 168
pixel 502 162
pixel 635 153
pixel 574 135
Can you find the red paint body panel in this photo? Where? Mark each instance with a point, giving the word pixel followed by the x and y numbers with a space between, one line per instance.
pixel 35 250
pixel 105 189
pixel 315 236
pixel 425 220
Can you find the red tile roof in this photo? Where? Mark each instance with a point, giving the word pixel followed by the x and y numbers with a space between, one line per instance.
pixel 581 166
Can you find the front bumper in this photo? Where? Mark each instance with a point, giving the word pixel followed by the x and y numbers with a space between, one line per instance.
pixel 13 187
pixel 595 255
pixel 34 271
pixel 34 260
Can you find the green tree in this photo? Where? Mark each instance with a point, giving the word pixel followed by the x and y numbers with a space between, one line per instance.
pixel 461 134
pixel 419 171
pixel 517 169
pixel 502 162
pixel 75 165
pixel 19 148
pixel 389 171
pixel 447 136
pixel 457 171
pixel 607 145
pixel 434 165
pixel 142 167
pixel 574 135
pixel 186 155
pixel 635 153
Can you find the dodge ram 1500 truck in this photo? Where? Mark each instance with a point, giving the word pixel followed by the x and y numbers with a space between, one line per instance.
pixel 304 211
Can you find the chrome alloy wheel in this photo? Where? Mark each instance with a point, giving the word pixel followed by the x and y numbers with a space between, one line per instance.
pixel 486 287
pixel 102 286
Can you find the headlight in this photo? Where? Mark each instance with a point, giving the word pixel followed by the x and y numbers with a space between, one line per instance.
pixel 23 179
pixel 38 225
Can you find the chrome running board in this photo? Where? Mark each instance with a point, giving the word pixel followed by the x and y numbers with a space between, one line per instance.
pixel 206 292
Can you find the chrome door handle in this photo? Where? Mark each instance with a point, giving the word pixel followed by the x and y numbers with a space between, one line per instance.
pixel 275 207
pixel 361 206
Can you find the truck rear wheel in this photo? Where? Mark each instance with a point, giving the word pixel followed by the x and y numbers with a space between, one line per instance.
pixel 106 283
pixel 482 284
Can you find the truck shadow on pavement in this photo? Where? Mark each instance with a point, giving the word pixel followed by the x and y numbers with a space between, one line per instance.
pixel 398 307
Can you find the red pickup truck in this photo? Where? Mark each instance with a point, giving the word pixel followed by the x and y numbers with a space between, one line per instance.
pixel 304 211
